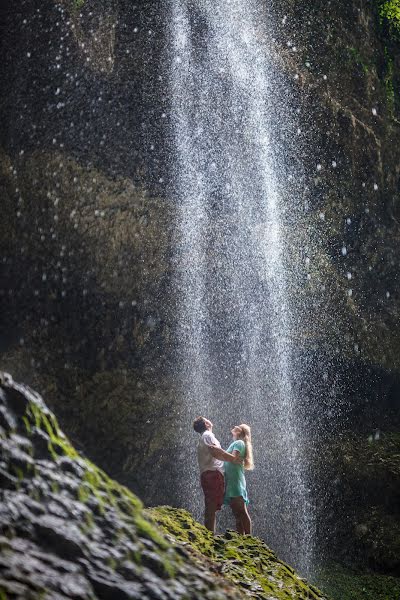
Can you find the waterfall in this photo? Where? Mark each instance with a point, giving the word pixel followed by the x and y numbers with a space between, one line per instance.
pixel 232 289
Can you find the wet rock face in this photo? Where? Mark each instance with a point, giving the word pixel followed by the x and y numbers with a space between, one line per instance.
pixel 86 238
pixel 360 484
pixel 346 63
pixel 86 242
pixel 69 531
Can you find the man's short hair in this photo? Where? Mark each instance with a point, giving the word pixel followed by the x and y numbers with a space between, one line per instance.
pixel 199 425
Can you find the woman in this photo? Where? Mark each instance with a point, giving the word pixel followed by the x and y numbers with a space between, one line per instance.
pixel 235 482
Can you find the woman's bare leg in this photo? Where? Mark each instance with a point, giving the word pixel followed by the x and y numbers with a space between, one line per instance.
pixel 242 518
pixel 246 521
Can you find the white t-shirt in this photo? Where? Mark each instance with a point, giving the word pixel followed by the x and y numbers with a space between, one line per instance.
pixel 206 460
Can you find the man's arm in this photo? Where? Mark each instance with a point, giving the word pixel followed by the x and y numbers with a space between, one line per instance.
pixel 220 454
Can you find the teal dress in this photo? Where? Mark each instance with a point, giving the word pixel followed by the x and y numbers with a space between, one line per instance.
pixel 235 482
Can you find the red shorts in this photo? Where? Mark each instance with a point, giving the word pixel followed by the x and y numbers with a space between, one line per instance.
pixel 213 485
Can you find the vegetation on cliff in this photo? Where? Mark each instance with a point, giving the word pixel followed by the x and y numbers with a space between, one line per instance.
pixel 361 485
pixel 343 583
pixel 389 11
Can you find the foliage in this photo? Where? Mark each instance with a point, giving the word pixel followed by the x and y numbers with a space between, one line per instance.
pixel 388 80
pixel 343 583
pixel 358 59
pixel 389 11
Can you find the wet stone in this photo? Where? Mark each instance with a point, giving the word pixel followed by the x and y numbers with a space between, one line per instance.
pixel 108 589
pixel 155 563
pixel 7 480
pixel 156 592
pixel 129 570
pixel 40 441
pixel 76 586
pixel 68 465
pixel 55 508
pixel 7 421
pixel 65 538
pixel 20 459
pixel 14 588
pixel 22 442
pixel 17 400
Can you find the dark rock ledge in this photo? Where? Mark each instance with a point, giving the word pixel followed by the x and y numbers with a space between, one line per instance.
pixel 69 531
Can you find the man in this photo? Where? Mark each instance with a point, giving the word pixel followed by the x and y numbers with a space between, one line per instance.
pixel 210 457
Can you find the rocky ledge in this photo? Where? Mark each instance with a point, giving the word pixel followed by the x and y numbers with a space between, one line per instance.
pixel 69 531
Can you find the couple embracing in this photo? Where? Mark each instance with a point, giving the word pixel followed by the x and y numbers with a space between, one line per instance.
pixel 222 473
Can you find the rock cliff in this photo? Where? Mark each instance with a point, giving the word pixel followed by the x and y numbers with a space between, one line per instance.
pixel 86 237
pixel 69 531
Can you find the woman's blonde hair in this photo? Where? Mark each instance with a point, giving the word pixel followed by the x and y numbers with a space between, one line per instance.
pixel 245 435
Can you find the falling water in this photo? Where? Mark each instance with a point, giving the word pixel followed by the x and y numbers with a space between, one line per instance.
pixel 231 281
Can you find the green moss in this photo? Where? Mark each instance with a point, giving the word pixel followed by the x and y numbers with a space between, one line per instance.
pixel 389 12
pixel 111 563
pixel 3 595
pixel 83 493
pixel 18 472
pixel 27 424
pixel 388 81
pixel 356 57
pixel 94 480
pixel 147 530
pixel 343 583
pixel 35 494
pixel 244 560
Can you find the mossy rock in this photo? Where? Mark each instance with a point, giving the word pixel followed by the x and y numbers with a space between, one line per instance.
pixel 81 522
pixel 244 560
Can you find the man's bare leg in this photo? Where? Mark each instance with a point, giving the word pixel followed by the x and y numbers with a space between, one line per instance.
pixel 210 516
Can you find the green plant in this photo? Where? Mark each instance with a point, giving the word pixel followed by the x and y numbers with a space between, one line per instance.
pixel 357 58
pixel 388 80
pixel 389 12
